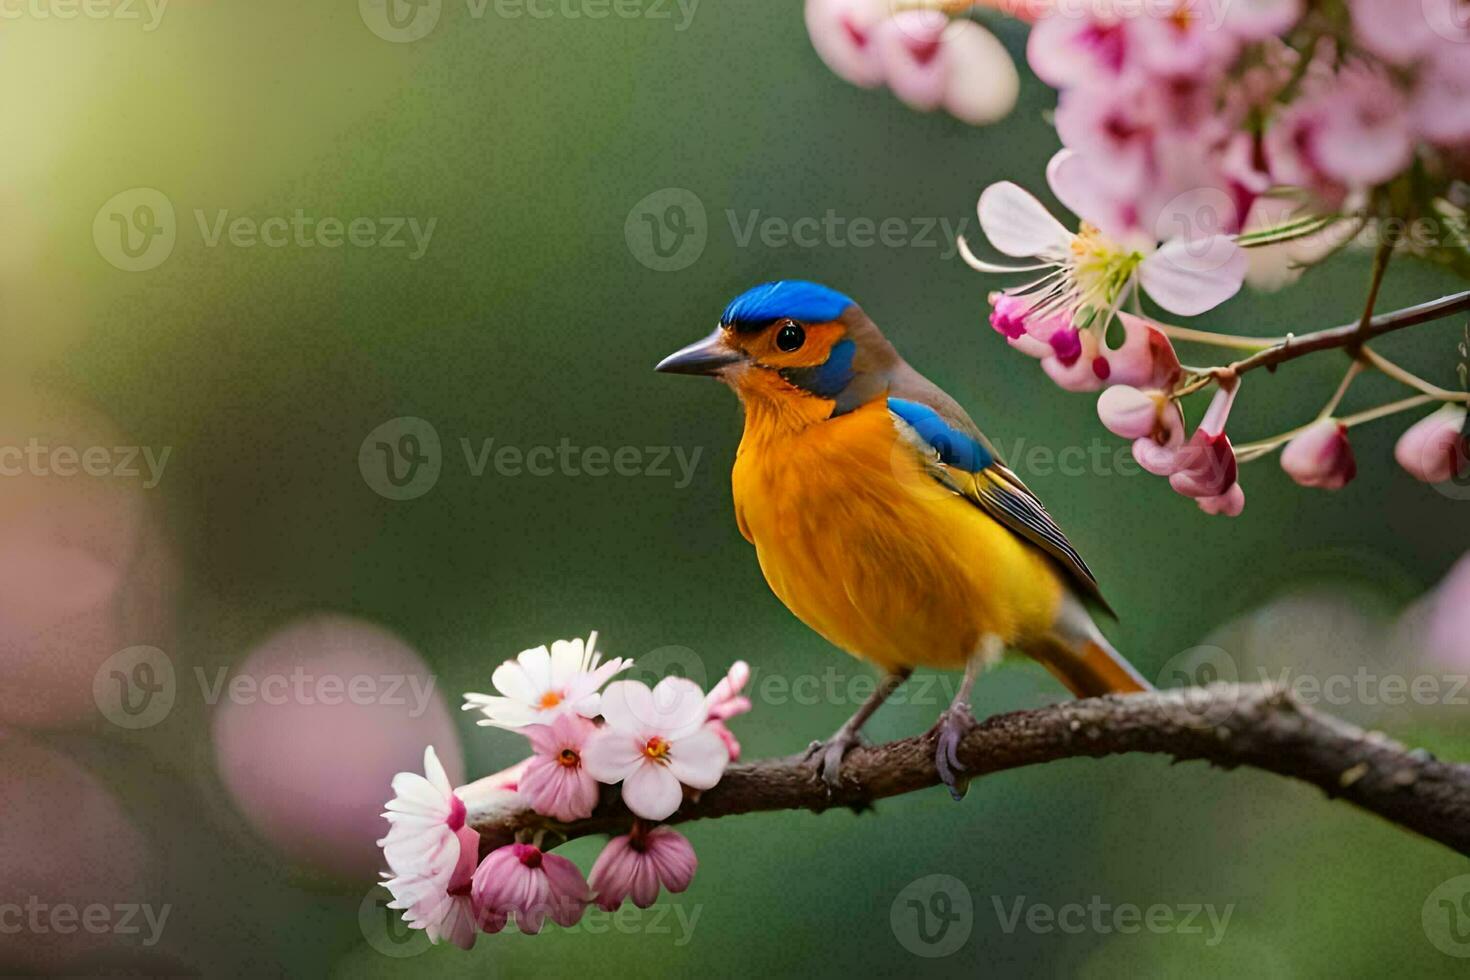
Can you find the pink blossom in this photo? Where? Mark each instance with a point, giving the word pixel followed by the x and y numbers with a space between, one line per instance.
pixel 842 33
pixel 1441 96
pixel 539 685
pixel 1351 131
pixel 555 782
pixel 431 853
pixel 437 902
pixel 1404 31
pixel 655 743
pixel 915 59
pixel 637 864
pixel 1206 464
pixel 1437 448
pixel 725 702
pixel 925 58
pixel 423 817
pixel 522 882
pixel 1066 51
pixel 1321 456
pixel 1088 275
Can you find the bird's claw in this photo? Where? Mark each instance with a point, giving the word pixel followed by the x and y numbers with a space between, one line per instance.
pixel 953 725
pixel 829 755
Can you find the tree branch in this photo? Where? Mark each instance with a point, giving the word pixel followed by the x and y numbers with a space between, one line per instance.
pixel 1354 334
pixel 1229 725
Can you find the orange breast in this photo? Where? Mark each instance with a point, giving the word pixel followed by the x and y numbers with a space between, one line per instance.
pixel 868 550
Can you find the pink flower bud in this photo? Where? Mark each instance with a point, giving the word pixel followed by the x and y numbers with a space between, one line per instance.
pixel 1321 457
pixel 1158 453
pixel 1146 359
pixel 1130 413
pixel 842 33
pixel 1228 504
pixel 915 59
pixel 1437 448
pixel 1208 466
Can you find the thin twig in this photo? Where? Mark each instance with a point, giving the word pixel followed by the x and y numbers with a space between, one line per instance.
pixel 1353 333
pixel 1257 725
pixel 1412 380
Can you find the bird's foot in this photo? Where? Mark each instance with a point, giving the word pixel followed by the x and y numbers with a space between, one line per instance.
pixel 953 725
pixel 828 755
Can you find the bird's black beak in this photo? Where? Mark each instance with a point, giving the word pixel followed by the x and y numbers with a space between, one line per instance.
pixel 707 356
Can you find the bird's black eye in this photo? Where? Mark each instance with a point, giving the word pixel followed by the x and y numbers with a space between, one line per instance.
pixel 790 336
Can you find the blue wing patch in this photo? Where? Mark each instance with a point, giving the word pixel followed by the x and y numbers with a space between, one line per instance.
pixel 955 448
pixel 771 301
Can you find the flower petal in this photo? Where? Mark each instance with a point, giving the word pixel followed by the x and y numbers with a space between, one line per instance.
pixel 1190 278
pixel 652 791
pixel 611 755
pixel 699 760
pixel 1018 224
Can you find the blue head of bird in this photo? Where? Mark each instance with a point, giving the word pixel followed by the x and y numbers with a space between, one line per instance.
pixel 797 351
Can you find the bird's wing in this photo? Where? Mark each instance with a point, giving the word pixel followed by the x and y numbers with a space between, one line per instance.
pixel 960 457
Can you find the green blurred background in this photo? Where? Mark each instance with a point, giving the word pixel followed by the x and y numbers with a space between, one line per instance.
pixel 532 317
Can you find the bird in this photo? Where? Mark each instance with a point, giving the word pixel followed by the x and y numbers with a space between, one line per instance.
pixel 885 520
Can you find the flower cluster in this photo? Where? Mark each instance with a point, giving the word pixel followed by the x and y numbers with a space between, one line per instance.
pixel 926 59
pixel 1193 132
pixel 658 743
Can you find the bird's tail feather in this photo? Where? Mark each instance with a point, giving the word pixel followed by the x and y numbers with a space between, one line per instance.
pixel 1089 666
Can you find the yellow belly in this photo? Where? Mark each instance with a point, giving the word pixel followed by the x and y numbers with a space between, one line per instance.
pixel 868 550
